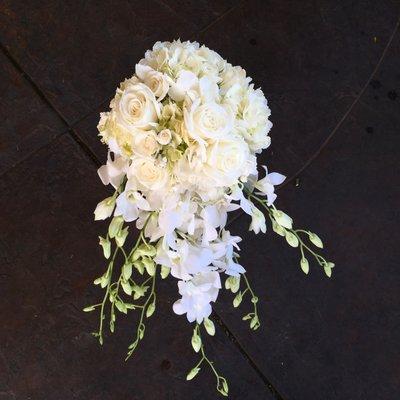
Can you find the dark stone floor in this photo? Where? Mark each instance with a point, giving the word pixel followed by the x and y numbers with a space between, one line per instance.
pixel 331 71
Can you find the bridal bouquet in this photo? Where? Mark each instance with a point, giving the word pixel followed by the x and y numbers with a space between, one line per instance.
pixel 183 134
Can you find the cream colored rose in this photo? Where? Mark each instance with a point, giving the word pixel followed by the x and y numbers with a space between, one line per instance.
pixel 164 137
pixel 145 143
pixel 136 106
pixel 227 160
pixel 155 80
pixel 207 121
pixel 148 174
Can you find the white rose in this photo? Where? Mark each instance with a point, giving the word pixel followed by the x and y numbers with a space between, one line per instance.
pixel 136 106
pixel 148 174
pixel 155 80
pixel 164 137
pixel 145 143
pixel 207 121
pixel 227 161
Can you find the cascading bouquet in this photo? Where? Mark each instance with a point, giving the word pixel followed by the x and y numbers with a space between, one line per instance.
pixel 183 133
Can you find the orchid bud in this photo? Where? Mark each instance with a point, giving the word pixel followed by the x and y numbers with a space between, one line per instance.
pixel 115 226
pixel 104 209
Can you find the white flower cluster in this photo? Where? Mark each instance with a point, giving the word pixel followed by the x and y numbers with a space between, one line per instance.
pixel 183 133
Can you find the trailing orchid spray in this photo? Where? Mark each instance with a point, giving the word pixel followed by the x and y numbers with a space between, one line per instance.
pixel 183 134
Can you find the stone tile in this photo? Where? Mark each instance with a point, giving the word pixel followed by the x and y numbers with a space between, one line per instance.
pixel 201 12
pixel 27 122
pixel 77 53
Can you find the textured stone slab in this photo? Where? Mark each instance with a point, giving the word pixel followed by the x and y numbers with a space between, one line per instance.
pixel 77 53
pixel 26 122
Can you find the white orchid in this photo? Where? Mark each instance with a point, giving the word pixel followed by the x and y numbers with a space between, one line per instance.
pixel 114 171
pixel 197 294
pixel 129 205
pixel 184 259
pixel 257 221
pixel 104 209
pixel 266 185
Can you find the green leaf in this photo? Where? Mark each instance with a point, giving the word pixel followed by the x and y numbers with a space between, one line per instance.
pixel 315 240
pixel 196 341
pixel 292 239
pixel 192 374
pixel 126 287
pixel 304 265
pixel 89 308
pixel 127 270
pixel 106 245
pixel 150 310
pixel 115 226
pixel 165 271
pixel 209 325
pixel 237 300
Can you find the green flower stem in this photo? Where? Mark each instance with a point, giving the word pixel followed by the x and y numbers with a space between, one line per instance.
pixel 102 316
pixel 222 385
pixel 254 298
pixel 117 286
pixel 296 232
pixel 139 330
pixel 321 260
pixel 141 237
